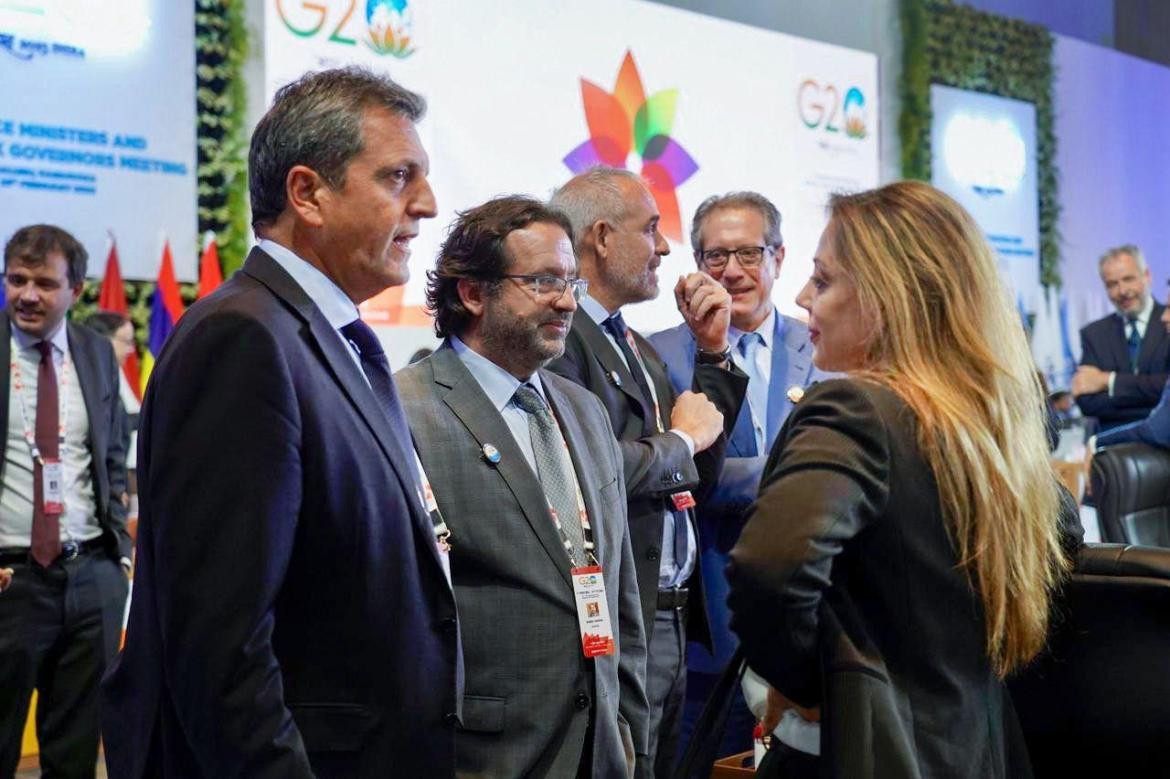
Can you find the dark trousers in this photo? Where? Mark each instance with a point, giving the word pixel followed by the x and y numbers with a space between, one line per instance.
pixel 737 736
pixel 666 684
pixel 59 627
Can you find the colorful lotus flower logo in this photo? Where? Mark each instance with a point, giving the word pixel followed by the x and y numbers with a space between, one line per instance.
pixel 390 24
pixel 627 120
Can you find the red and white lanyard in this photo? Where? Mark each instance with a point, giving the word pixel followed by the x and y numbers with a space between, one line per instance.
pixel 649 379
pixel 18 387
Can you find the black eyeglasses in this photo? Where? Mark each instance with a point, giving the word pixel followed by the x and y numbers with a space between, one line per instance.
pixel 749 256
pixel 545 285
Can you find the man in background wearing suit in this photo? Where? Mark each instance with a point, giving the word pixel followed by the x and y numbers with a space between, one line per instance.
pixel 527 477
pixel 291 613
pixel 1125 357
pixel 672 444
pixel 736 239
pixel 1155 428
pixel 62 507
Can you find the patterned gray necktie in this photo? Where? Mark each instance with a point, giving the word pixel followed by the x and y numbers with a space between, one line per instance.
pixel 553 465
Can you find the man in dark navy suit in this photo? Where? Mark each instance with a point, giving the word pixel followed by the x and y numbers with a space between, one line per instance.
pixel 1155 428
pixel 1125 357
pixel 292 614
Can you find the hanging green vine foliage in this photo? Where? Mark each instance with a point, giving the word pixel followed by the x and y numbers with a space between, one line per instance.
pixel 221 46
pixel 958 46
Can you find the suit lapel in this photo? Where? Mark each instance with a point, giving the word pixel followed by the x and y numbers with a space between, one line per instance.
pixel 86 367
pixel 659 378
pixel 612 363
pixel 577 440
pixel 1153 341
pixel 1119 343
pixel 348 375
pixel 467 400
pixel 791 366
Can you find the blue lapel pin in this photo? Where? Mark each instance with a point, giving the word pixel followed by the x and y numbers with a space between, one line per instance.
pixel 491 453
pixel 615 379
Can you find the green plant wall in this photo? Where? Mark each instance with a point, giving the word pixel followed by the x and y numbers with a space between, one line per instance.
pixel 958 46
pixel 221 45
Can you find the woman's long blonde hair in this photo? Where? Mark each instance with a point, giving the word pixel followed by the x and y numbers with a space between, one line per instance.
pixel 946 338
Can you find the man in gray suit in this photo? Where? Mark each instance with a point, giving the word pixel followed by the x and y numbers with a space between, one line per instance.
pixel 527 478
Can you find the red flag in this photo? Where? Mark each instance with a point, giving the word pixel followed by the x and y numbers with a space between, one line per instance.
pixel 112 297
pixel 165 309
pixel 210 274
pixel 113 293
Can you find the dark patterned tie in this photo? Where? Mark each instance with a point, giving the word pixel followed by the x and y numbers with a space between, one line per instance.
pixel 377 370
pixel 1133 343
pixel 45 544
pixel 617 328
pixel 553 466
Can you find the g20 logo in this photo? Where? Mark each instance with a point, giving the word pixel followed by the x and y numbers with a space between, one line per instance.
pixel 588 580
pixel 822 106
pixel 389 23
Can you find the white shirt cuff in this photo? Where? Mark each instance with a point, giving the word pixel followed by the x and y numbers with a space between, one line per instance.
pixel 1112 376
pixel 690 442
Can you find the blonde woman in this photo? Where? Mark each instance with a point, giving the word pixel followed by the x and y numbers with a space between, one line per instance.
pixel 903 552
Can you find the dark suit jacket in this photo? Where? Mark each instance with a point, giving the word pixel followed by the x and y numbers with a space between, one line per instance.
pixel 290 615
pixel 1153 430
pixel 97 374
pixel 722 513
pixel 1134 394
pixel 846 593
pixel 655 466
pixel 529 688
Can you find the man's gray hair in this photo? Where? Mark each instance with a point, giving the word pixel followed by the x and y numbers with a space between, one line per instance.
pixel 593 196
pixel 744 199
pixel 316 121
pixel 1130 249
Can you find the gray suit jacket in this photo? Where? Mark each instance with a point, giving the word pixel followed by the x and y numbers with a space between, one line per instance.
pixel 529 689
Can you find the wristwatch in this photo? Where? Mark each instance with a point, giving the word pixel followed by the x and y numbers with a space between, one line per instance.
pixel 712 358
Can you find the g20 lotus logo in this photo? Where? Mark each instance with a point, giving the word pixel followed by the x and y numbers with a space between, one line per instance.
pixel 822 106
pixel 627 128
pixel 588 580
pixel 389 23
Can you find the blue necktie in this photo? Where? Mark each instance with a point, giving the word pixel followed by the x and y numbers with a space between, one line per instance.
pixel 757 390
pixel 1134 343
pixel 377 370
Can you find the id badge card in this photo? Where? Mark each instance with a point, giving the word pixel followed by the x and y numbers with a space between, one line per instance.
pixel 592 611
pixel 52 486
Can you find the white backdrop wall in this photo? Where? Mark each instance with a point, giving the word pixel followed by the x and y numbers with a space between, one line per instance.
pixel 794 119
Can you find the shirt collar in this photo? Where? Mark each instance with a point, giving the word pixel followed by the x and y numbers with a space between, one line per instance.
pixel 59 338
pixel 766 330
pixel 1143 316
pixel 338 309
pixel 595 310
pixel 497 383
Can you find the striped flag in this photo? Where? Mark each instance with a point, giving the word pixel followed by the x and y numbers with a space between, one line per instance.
pixel 112 297
pixel 210 273
pixel 165 309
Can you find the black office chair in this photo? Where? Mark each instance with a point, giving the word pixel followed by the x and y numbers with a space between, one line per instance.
pixel 1096 703
pixel 1131 486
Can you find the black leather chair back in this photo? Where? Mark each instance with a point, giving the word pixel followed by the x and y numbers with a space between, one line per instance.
pixel 1096 703
pixel 1131 486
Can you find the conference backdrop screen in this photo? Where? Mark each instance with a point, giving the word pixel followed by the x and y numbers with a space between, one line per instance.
pixel 524 93
pixel 97 126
